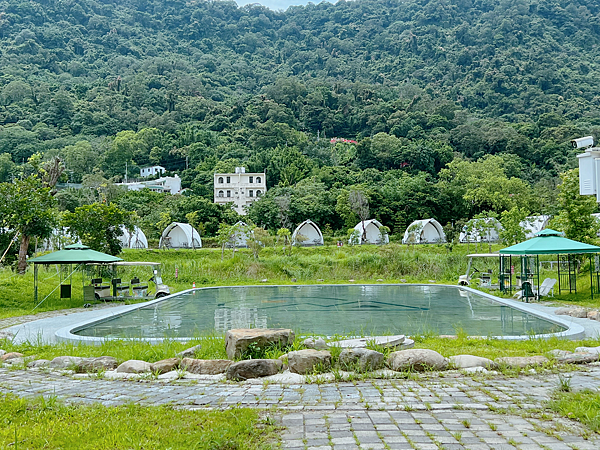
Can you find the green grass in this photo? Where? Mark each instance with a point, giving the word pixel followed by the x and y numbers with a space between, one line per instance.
pixel 583 406
pixel 50 424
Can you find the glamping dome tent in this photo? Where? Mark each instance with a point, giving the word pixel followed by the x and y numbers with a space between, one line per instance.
pixel 180 235
pixel 481 230
pixel 307 233
pixel 534 224
pixel 135 239
pixel 241 234
pixel 426 231
pixel 368 232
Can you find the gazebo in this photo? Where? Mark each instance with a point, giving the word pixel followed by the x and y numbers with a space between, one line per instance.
pixel 549 242
pixel 72 254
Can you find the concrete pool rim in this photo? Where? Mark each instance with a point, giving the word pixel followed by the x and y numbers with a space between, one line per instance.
pixel 573 331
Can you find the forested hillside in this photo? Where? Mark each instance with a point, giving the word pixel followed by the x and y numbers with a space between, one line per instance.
pixel 201 86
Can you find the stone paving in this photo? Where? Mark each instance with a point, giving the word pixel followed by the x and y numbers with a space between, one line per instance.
pixel 446 412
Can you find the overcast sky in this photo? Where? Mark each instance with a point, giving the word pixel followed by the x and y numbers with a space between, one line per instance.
pixel 278 4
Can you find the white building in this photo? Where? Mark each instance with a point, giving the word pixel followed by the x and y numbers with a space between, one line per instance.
pixel 170 185
pixel 151 171
pixel 239 188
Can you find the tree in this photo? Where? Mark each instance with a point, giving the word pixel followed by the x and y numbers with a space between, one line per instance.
pixel 359 204
pixel 226 235
pixel 257 239
pixel 575 216
pixel 99 226
pixel 511 220
pixel 285 236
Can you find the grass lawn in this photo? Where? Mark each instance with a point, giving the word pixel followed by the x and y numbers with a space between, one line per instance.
pixel 583 406
pixel 50 424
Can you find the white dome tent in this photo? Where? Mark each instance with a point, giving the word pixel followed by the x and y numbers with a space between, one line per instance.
pixel 309 232
pixel 370 231
pixel 180 235
pixel 425 231
pixel 57 240
pixel 481 230
pixel 534 224
pixel 241 235
pixel 135 239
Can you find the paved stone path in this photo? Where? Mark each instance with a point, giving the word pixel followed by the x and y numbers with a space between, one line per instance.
pixel 450 412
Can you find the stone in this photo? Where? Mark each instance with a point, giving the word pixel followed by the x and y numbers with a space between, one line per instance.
pixel 593 315
pixel 416 359
pixel 205 366
pixel 562 311
pixel 557 353
pixel 588 350
pixel 402 280
pixel 316 343
pixel 294 280
pixel 408 343
pixel 11 355
pixel 379 279
pixel 39 364
pixel 15 361
pixel 190 352
pixel 476 369
pixel 96 364
pixel 253 368
pixel 578 358
pixel 134 366
pixel 351 281
pixel 382 341
pixel 305 361
pixel 522 361
pixel 264 280
pixel 65 362
pixel 165 365
pixel 2 352
pixel 470 361
pixel 579 313
pixel 237 341
pixel 362 358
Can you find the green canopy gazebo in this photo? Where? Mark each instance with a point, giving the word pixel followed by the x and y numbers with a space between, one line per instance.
pixel 549 242
pixel 72 254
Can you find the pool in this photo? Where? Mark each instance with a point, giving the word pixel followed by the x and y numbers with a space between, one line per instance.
pixel 328 310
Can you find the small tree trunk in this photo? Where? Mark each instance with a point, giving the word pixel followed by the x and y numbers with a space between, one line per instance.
pixel 22 266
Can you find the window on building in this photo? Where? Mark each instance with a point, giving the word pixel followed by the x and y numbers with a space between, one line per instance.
pixel 220 179
pixel 258 179
pixel 251 179
pixel 229 179
pixel 221 194
pixel 258 193
pixel 228 193
pixel 250 193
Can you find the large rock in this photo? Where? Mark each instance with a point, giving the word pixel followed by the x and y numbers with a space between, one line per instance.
pixel 205 366
pixel 578 358
pixel 253 368
pixel 65 362
pixel 11 355
pixel 315 343
pixel 39 364
pixel 595 350
pixel 468 361
pixel 382 341
pixel 305 361
pixel 580 313
pixel 134 366
pixel 522 361
pixel 190 352
pixel 416 359
pixel 237 341
pixel 361 358
pixel 165 365
pixel 558 353
pixel 96 364
pixel 593 315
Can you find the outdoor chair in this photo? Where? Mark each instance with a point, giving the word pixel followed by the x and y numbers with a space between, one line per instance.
pixel 526 291
pixel 546 288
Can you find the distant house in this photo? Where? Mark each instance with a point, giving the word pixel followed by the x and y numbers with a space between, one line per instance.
pixel 171 185
pixel 239 188
pixel 426 231
pixel 151 171
pixel 307 233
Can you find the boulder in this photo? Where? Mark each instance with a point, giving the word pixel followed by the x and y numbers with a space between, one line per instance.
pixel 315 343
pixel 577 312
pixel 253 368
pixel 382 341
pixel 522 361
pixel 588 349
pixel 96 364
pixel 205 366
pixel 134 366
pixel 38 364
pixel 361 358
pixel 15 361
pixel 11 355
pixel 469 361
pixel 165 365
pixel 578 358
pixel 237 341
pixel 557 353
pixel 65 362
pixel 189 352
pixel 593 315
pixel 305 361
pixel 416 359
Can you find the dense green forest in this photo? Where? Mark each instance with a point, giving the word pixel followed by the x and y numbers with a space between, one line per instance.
pixel 458 107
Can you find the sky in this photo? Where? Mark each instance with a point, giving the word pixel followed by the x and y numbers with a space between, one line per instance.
pixel 278 4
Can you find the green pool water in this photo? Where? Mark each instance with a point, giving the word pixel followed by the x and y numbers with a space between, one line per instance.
pixel 324 310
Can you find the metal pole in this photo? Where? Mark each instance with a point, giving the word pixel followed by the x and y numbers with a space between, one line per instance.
pixel 35 283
